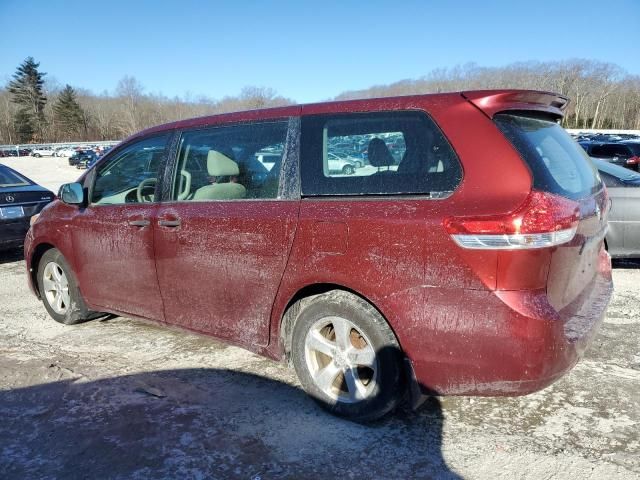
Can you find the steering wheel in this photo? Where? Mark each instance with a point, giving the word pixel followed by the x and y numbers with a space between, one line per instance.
pixel 147 182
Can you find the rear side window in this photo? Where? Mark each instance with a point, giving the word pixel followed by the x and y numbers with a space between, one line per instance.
pixel 9 178
pixel 558 164
pixel 375 154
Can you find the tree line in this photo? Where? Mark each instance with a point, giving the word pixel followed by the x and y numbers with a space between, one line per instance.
pixel 602 95
pixel 34 110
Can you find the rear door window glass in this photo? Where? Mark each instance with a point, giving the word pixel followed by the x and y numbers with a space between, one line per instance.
pixel 375 154
pixel 558 164
pixel 230 162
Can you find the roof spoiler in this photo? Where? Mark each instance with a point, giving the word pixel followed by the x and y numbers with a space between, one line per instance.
pixel 495 101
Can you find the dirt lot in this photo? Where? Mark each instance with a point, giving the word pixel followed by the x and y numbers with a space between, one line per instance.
pixel 122 399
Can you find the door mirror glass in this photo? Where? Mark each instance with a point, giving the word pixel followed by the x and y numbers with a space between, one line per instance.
pixel 71 193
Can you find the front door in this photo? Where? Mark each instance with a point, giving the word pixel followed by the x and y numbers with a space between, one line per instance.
pixel 223 241
pixel 113 236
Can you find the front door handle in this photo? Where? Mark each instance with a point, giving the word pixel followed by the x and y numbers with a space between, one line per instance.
pixel 169 223
pixel 139 223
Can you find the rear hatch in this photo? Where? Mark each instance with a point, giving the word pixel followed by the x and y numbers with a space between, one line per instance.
pixel 564 175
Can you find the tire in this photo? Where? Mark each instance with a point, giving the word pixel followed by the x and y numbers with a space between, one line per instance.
pixel 348 170
pixel 37 155
pixel 72 310
pixel 338 379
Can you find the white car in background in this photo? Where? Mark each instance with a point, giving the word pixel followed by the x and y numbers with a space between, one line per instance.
pixel 42 152
pixel 341 165
pixel 65 152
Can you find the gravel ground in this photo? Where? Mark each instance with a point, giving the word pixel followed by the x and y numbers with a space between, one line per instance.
pixel 120 398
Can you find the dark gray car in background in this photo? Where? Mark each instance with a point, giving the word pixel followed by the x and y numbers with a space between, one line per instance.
pixel 623 237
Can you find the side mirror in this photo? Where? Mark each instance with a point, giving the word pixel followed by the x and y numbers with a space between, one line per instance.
pixel 71 193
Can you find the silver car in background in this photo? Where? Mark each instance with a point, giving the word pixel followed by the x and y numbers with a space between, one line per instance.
pixel 623 237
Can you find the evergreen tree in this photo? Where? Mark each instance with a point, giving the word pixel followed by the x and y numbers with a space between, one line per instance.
pixel 22 124
pixel 27 91
pixel 68 113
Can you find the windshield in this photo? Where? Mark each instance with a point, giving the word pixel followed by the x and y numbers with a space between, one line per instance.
pixel 558 164
pixel 9 178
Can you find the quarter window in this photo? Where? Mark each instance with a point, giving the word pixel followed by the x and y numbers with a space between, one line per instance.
pixel 230 162
pixel 131 175
pixel 377 153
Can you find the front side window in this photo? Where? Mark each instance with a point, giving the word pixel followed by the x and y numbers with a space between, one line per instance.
pixel 230 162
pixel 131 175
pixel 375 154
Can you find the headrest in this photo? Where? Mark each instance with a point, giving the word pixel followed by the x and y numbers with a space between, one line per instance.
pixel 378 153
pixel 219 165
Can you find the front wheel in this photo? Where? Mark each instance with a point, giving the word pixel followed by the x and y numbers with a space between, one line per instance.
pixel 59 290
pixel 37 155
pixel 348 170
pixel 346 356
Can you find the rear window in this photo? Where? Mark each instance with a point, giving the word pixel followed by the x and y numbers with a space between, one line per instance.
pixel 9 178
pixel 558 164
pixel 616 176
pixel 377 153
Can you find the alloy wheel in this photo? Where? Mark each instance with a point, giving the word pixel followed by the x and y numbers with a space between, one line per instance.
pixel 341 360
pixel 56 288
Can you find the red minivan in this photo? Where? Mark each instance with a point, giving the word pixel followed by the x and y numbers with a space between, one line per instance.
pixel 462 254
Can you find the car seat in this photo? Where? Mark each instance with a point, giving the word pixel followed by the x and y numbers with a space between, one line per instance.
pixel 379 155
pixel 223 172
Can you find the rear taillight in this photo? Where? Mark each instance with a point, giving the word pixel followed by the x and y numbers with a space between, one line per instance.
pixel 633 161
pixel 543 220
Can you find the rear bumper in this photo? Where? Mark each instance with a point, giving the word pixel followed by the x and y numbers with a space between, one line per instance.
pixel 504 343
pixel 13 233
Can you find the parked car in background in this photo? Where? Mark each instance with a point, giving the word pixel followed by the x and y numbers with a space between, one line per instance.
pixel 87 161
pixel 82 156
pixel 339 164
pixel 42 152
pixel 20 199
pixel 623 237
pixel 65 152
pixel 623 153
pixel 459 270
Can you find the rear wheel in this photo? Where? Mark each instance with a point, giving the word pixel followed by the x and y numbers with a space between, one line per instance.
pixel 346 356
pixel 59 290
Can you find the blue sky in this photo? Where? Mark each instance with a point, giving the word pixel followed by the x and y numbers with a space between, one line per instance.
pixel 308 51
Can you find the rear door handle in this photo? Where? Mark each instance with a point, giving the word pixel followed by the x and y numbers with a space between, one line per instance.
pixel 139 223
pixel 169 223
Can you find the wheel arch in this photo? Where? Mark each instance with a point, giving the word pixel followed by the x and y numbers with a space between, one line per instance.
pixel 293 306
pixel 34 263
